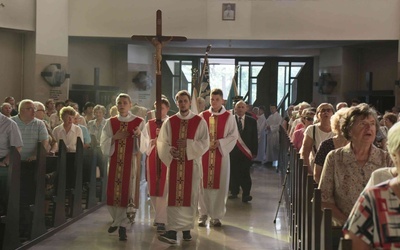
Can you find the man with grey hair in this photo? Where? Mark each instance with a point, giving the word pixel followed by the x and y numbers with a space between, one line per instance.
pixel 32 131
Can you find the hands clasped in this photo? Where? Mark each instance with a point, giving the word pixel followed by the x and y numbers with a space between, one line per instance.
pixel 174 152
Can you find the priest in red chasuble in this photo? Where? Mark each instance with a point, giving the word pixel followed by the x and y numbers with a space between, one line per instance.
pixel 156 171
pixel 183 139
pixel 216 163
pixel 119 140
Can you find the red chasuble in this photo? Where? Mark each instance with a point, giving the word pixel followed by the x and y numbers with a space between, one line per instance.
pixel 119 173
pixel 181 170
pixel 212 158
pixel 156 170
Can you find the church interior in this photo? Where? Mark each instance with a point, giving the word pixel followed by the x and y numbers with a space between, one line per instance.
pixel 85 50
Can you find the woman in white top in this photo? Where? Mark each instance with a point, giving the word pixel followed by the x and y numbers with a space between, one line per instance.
pixel 68 131
pixel 315 134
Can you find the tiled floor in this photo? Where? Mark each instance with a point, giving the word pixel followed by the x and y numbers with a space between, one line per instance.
pixel 245 226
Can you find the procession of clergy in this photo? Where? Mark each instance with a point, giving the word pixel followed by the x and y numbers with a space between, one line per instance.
pixel 192 162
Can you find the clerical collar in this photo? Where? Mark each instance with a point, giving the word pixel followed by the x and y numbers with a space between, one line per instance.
pixel 217 111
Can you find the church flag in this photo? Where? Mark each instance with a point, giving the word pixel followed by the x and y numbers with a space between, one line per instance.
pixel 233 92
pixel 193 106
pixel 205 88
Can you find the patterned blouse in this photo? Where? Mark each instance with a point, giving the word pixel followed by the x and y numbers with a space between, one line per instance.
pixel 375 217
pixel 342 180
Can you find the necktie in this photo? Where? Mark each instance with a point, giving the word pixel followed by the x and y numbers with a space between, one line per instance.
pixel 240 124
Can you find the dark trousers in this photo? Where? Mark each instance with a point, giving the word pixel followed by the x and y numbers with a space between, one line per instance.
pixel 240 175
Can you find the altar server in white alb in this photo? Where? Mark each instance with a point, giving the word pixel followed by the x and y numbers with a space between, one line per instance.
pixel 216 162
pixel 119 141
pixel 156 171
pixel 274 121
pixel 183 139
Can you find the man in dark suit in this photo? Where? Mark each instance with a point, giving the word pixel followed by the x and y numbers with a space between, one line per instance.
pixel 243 153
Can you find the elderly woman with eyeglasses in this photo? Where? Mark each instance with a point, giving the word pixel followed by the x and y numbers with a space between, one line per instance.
pixel 347 170
pixel 315 134
pixel 327 146
pixel 374 219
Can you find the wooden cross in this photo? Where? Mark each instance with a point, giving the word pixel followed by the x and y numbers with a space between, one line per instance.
pixel 158 41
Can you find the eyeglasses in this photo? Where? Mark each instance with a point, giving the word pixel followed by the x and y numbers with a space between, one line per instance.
pixel 325 110
pixel 30 108
pixel 40 110
pixel 309 119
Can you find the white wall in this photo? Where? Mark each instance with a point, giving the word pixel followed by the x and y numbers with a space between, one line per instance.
pixel 11 51
pixel 265 20
pixel 52 27
pixel 18 14
pixel 85 56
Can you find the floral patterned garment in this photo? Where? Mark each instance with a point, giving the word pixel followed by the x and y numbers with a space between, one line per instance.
pixel 375 217
pixel 342 180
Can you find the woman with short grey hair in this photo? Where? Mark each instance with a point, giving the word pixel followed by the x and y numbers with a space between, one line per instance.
pixel 347 170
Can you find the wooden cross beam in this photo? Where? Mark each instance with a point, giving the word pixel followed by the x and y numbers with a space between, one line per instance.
pixel 158 41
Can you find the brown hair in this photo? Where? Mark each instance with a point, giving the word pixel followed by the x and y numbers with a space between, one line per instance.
pixel 182 93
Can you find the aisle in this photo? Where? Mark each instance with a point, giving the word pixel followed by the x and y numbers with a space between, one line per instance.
pixel 245 226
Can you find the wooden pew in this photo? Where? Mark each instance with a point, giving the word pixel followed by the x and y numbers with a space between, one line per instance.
pixel 9 222
pixel 316 220
pixel 299 195
pixel 38 209
pixel 58 212
pixel 326 229
pixel 345 244
pixel 308 212
pixel 74 179
pixel 89 180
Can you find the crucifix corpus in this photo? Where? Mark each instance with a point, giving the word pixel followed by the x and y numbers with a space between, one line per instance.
pixel 158 41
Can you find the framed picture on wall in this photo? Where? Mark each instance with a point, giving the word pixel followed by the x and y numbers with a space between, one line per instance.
pixel 228 11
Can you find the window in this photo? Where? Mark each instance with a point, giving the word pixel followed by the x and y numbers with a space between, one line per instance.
pixel 287 81
pixel 181 75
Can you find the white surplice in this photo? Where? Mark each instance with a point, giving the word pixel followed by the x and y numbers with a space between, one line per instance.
pixel 261 129
pixel 274 121
pixel 182 218
pixel 212 202
pixel 159 203
pixel 107 147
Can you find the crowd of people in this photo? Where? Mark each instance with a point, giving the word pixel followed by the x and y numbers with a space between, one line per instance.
pixel 352 153
pixel 195 162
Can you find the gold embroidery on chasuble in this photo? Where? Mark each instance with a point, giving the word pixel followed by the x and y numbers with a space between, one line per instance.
pixel 120 167
pixel 213 122
pixel 180 178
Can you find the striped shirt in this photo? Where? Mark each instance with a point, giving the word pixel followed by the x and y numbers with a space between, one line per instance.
pixel 9 135
pixel 33 132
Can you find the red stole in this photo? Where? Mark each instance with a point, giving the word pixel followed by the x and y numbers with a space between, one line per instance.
pixel 119 173
pixel 212 158
pixel 181 171
pixel 156 170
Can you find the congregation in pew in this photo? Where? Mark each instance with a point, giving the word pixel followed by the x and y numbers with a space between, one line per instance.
pixel 62 182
